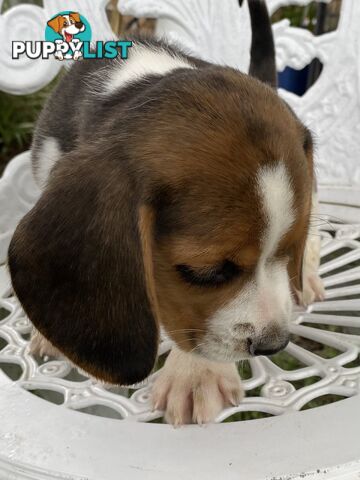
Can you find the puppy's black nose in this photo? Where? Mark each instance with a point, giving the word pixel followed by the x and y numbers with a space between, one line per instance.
pixel 263 347
pixel 79 25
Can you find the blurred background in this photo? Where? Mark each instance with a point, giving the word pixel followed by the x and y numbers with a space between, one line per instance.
pixel 18 114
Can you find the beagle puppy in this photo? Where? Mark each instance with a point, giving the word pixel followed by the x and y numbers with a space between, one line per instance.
pixel 177 195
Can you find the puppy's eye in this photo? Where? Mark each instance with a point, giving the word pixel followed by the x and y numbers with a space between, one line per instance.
pixel 209 277
pixel 65 24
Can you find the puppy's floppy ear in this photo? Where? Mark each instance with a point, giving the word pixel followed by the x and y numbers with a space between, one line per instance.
pixel 54 23
pixel 81 266
pixel 75 16
pixel 295 266
pixel 297 259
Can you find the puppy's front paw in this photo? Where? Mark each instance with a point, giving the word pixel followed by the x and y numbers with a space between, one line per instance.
pixel 194 390
pixel 39 345
pixel 313 289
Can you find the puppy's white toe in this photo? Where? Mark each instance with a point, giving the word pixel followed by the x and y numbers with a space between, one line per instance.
pixel 192 389
pixel 39 345
pixel 313 290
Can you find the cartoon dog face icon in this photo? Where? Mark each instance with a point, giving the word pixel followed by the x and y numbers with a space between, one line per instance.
pixel 67 25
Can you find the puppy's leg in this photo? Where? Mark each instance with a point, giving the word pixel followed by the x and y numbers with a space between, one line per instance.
pixel 193 389
pixel 313 289
pixel 39 345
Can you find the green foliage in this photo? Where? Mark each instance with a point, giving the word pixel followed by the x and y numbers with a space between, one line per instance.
pixel 18 115
pixel 299 16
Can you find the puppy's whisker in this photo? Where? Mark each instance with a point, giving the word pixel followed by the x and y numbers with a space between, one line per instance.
pixel 322 217
pixel 196 347
pixel 325 221
pixel 319 224
pixel 186 330
pixel 187 340
pixel 314 235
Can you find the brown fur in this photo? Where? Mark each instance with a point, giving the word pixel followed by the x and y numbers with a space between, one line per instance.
pixel 211 210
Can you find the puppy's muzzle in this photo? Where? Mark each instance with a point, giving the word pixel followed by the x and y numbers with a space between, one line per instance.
pixel 268 343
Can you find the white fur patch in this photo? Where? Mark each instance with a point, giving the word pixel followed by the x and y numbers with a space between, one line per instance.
pixel 142 62
pixel 48 154
pixel 278 198
pixel 266 299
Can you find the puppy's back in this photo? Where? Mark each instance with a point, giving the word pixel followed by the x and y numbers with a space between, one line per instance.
pixel 91 92
pixel 87 94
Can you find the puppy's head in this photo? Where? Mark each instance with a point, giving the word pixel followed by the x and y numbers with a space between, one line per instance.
pixel 197 224
pixel 236 174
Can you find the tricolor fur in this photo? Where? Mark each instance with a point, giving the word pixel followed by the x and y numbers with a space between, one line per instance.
pixel 176 194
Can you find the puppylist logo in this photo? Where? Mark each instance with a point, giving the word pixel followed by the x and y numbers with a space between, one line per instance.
pixel 68 37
